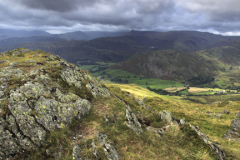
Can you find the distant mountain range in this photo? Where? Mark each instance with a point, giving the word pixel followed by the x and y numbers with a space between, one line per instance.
pixel 166 55
pixel 9 33
pixel 121 48
pixel 77 35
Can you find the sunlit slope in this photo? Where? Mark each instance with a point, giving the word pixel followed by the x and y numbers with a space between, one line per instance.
pixel 194 113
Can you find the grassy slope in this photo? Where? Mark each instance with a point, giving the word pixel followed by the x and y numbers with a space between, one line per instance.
pixel 175 144
pixel 194 114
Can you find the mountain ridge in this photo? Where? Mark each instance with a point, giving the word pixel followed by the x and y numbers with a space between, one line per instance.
pixel 116 49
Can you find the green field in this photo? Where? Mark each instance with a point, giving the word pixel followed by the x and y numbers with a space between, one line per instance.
pixel 230 80
pixel 214 98
pixel 122 77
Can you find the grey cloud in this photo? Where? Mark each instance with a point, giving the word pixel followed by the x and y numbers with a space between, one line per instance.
pixel 67 15
pixel 57 5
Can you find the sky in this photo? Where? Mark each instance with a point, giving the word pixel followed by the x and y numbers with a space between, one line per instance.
pixel 61 16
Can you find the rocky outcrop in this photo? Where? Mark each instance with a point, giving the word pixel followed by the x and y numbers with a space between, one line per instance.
pixel 95 151
pixel 57 154
pixel 75 76
pixel 36 109
pixel 108 148
pixel 77 152
pixel 133 121
pixel 217 150
pixel 38 104
pixel 234 133
pixel 226 111
pixel 218 115
pixel 166 116
pixel 3 86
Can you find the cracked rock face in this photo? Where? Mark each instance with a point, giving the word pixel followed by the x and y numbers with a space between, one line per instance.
pixel 77 152
pixel 37 102
pixel 35 108
pixel 34 113
pixel 206 140
pixel 133 121
pixel 108 148
pixel 74 76
pixel 234 132
pixel 166 116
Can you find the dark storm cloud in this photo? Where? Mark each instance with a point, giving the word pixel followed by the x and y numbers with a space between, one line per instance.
pixel 57 5
pixel 218 16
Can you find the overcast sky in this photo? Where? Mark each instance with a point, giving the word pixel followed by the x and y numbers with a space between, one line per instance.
pixel 59 16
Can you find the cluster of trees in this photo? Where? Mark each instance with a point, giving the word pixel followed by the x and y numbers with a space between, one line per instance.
pixel 118 79
pixel 158 91
pixel 87 63
pixel 201 79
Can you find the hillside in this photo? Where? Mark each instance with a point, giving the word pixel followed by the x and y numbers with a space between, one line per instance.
pixel 51 109
pixel 9 33
pixel 122 47
pixel 173 65
pixel 87 35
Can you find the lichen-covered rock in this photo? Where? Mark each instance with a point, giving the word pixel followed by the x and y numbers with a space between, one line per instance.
pixel 97 90
pixel 77 152
pixel 206 139
pixel 133 121
pixel 183 121
pixel 3 86
pixel 74 76
pixel 166 116
pixel 106 120
pixel 19 51
pixel 48 112
pixel 37 107
pixel 234 133
pixel 24 141
pixel 8 71
pixel 226 111
pixel 108 148
pixel 8 143
pixel 39 102
pixel 235 124
pixel 95 151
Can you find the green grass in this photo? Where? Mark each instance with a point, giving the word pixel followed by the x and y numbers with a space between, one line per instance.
pixel 194 113
pixel 214 98
pixel 176 143
pixel 120 76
